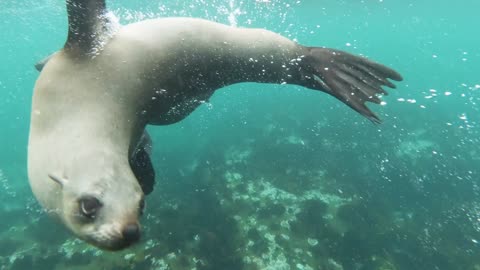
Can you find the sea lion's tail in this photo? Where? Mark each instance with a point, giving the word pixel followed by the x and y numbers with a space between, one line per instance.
pixel 354 80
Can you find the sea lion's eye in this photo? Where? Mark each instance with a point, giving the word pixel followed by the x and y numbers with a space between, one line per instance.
pixel 89 206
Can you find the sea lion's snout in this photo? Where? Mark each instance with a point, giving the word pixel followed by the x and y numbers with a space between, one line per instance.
pixel 113 238
pixel 131 233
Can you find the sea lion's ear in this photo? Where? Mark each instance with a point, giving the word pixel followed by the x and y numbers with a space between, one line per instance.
pixel 59 180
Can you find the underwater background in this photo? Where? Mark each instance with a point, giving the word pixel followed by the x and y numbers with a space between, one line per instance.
pixel 278 176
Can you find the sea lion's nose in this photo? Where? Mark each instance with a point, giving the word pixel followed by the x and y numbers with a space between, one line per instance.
pixel 131 232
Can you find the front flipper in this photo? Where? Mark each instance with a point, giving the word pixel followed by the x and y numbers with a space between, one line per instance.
pixel 40 64
pixel 141 164
pixel 352 79
pixel 88 24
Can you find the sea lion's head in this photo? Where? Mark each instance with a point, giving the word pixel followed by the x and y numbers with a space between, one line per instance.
pixel 100 206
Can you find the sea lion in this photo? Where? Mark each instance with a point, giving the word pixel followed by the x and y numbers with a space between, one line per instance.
pixel 94 98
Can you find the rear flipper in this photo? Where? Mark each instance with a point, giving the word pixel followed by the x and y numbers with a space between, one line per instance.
pixel 141 164
pixel 352 79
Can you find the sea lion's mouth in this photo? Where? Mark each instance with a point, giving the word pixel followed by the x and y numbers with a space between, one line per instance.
pixel 113 240
pixel 115 244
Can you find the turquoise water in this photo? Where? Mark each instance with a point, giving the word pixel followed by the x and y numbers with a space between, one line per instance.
pixel 280 177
